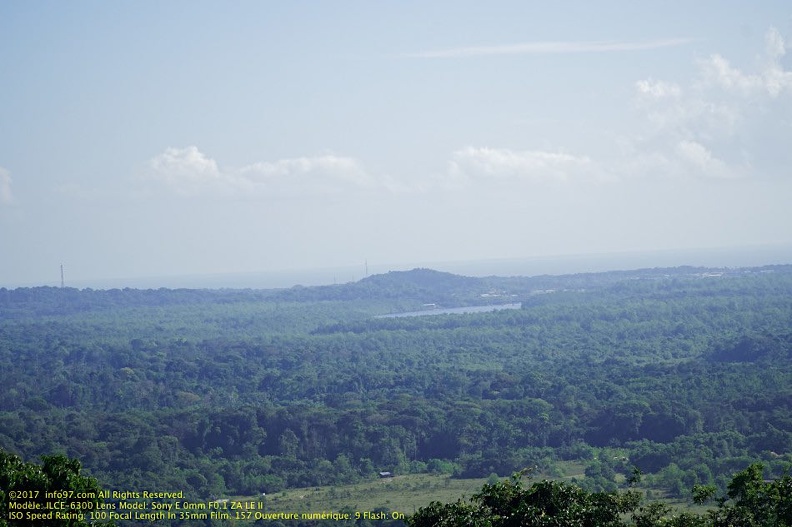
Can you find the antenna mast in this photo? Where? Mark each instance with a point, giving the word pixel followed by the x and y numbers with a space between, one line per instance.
pixel 62 283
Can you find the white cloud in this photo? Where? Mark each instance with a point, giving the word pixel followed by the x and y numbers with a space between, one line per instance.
pixel 698 157
pixel 477 164
pixel 772 80
pixel 188 171
pixel 658 89
pixel 310 171
pixel 726 123
pixel 551 47
pixel 5 186
pixel 774 44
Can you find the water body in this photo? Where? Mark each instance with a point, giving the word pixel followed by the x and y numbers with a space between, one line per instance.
pixel 452 310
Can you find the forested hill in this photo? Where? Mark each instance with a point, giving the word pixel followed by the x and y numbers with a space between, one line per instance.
pixel 427 286
pixel 417 285
pixel 403 287
pixel 407 289
pixel 684 373
pixel 57 301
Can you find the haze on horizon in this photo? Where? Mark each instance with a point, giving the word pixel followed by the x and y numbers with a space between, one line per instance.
pixel 204 138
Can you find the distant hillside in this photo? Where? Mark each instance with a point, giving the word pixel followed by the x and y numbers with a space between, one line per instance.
pixel 423 286
pixel 55 301
pixel 427 286
pixel 400 290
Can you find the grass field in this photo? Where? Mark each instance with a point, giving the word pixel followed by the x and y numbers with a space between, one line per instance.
pixel 403 494
pixel 407 493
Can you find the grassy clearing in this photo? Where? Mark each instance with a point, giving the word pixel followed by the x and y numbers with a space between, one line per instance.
pixel 407 493
pixel 571 469
pixel 403 494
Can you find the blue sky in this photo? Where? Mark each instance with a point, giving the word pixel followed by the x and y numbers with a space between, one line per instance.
pixel 154 139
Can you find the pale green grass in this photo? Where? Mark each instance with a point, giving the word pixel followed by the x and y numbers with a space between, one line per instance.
pixel 403 494
pixel 407 493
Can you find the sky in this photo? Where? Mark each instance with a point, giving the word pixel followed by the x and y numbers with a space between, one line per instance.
pixel 157 139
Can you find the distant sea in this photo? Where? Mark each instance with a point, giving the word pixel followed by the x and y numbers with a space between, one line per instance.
pixel 551 265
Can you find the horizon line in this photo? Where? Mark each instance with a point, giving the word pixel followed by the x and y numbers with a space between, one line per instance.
pixel 742 256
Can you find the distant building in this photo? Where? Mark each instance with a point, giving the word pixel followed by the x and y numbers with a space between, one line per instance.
pixel 385 474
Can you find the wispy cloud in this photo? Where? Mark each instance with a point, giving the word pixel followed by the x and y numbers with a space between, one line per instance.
pixel 473 164
pixel 700 160
pixel 5 186
pixel 725 123
pixel 657 89
pixel 549 47
pixel 772 80
pixel 190 172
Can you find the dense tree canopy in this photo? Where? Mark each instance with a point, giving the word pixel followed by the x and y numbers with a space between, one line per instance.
pixel 682 373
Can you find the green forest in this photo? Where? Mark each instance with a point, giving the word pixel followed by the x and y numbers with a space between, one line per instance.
pixel 680 378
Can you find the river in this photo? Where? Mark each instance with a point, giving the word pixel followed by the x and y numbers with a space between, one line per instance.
pixel 453 310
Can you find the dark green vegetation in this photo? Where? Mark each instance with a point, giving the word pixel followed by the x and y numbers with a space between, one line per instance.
pixel 750 502
pixel 682 373
pixel 57 480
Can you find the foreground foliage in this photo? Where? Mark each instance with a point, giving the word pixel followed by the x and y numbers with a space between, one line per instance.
pixel 23 482
pixel 751 502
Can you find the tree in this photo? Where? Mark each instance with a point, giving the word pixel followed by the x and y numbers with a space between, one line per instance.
pixel 544 504
pixel 756 502
pixel 751 502
pixel 24 483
